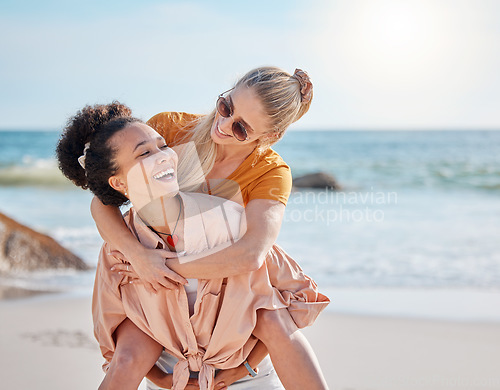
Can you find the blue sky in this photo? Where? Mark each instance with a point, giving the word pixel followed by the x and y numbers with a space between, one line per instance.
pixel 375 64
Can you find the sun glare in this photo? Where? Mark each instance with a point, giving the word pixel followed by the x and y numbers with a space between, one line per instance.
pixel 395 26
pixel 396 39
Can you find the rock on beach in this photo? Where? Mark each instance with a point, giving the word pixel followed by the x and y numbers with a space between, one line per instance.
pixel 317 180
pixel 23 249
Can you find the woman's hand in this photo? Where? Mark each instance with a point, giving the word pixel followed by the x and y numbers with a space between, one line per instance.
pixel 148 268
pixel 161 379
pixel 225 378
pixel 149 264
pixel 192 384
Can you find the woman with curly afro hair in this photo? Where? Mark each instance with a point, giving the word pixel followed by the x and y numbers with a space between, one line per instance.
pixel 233 142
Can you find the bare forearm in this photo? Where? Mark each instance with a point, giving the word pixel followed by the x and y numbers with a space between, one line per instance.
pixel 222 261
pixel 245 255
pixel 159 378
pixel 259 352
pixel 112 227
pixel 263 221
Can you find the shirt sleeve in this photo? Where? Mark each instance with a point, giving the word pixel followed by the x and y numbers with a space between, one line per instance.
pixel 276 184
pixel 171 125
pixel 298 290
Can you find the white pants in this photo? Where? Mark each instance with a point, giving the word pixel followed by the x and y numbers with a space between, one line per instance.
pixel 266 379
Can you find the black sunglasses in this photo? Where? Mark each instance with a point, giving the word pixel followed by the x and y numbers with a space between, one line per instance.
pixel 224 109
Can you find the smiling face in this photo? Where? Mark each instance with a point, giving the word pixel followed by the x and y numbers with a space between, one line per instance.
pixel 246 109
pixel 147 166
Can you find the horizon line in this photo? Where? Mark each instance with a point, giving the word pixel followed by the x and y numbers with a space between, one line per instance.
pixel 52 129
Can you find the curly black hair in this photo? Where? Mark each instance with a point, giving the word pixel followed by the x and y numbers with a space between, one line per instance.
pixel 94 125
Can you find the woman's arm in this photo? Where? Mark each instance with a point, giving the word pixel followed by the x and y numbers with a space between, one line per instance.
pixel 263 219
pixel 164 380
pixel 225 378
pixel 149 264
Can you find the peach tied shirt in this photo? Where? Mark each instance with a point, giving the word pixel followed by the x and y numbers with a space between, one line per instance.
pixel 264 176
pixel 202 342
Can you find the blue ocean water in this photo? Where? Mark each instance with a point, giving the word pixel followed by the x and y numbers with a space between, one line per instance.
pixel 418 209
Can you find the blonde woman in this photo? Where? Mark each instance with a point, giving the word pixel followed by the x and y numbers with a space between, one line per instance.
pixel 234 142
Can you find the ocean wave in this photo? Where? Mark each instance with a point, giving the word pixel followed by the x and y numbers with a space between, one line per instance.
pixel 391 173
pixel 51 280
pixel 465 176
pixel 33 172
pixel 442 174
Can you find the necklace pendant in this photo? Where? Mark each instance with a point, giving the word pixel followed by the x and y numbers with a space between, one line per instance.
pixel 172 239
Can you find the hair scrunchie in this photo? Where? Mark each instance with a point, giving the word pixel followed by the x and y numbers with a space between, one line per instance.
pixel 82 158
pixel 306 87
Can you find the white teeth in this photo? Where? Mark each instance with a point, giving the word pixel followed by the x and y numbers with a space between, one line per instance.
pixel 220 131
pixel 162 174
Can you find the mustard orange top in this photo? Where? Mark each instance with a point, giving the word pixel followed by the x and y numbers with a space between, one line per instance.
pixel 264 177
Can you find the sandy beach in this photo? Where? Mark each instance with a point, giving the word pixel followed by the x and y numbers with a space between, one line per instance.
pixel 46 342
